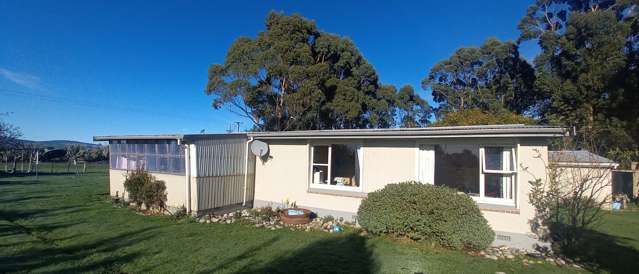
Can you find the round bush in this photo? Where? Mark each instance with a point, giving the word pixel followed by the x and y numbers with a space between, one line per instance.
pixel 426 212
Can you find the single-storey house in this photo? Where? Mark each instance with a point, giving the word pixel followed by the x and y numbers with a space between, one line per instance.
pixel 331 171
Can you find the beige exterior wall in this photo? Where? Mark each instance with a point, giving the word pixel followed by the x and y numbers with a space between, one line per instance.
pixel 285 176
pixel 532 158
pixel 598 180
pixel 175 186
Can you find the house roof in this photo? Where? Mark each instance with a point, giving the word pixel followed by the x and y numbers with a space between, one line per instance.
pixel 512 130
pixel 579 157
pixel 576 156
pixel 167 136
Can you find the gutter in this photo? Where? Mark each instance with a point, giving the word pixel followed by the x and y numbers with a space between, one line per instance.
pixel 246 162
pixel 187 172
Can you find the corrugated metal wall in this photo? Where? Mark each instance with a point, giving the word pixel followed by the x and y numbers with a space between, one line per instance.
pixel 220 172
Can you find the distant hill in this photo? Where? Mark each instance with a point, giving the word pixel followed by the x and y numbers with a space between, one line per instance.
pixel 59 143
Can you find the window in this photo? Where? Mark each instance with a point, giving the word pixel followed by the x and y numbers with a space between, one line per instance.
pixel 457 166
pixel 336 166
pixel 164 156
pixel 487 173
pixel 498 172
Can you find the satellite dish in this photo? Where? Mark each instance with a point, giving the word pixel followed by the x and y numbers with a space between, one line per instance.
pixel 259 148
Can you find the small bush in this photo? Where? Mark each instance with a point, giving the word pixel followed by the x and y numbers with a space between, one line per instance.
pixel 426 212
pixel 154 194
pixel 134 185
pixel 143 188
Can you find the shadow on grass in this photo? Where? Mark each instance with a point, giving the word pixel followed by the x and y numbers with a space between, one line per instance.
pixel 599 251
pixel 345 254
pixel 102 255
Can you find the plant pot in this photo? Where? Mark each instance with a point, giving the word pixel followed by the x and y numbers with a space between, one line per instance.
pixel 301 219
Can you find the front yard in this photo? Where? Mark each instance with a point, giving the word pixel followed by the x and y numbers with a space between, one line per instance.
pixel 62 223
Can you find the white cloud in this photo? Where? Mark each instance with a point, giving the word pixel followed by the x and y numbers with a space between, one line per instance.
pixel 23 79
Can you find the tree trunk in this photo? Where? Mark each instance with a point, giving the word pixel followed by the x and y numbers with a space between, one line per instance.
pixel 30 160
pixel 15 165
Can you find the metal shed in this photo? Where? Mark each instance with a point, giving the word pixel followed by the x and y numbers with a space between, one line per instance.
pixel 203 172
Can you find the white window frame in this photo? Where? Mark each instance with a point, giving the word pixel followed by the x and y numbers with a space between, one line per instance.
pixel 510 201
pixel 508 188
pixel 360 156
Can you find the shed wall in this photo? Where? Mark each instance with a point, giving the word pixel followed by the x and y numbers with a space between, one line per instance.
pixel 220 173
pixel 175 186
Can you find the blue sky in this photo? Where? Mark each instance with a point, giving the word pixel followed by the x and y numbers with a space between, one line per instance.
pixel 75 69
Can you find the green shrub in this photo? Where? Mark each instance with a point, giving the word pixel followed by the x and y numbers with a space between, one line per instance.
pixel 143 188
pixel 154 194
pixel 426 212
pixel 134 185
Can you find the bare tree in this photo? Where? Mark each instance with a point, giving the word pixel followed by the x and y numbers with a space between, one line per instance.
pixel 570 199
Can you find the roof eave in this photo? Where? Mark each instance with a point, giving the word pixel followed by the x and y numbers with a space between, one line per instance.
pixel 138 137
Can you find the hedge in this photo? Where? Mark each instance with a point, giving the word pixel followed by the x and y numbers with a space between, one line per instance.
pixel 426 212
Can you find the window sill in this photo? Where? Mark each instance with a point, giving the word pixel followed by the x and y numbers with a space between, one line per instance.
pixel 498 208
pixel 342 193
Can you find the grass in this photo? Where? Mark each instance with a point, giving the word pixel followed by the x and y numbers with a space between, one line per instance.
pixel 63 223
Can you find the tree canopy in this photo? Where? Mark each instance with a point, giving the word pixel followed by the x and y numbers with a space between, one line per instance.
pixel 588 66
pixel 492 77
pixel 293 76
pixel 475 116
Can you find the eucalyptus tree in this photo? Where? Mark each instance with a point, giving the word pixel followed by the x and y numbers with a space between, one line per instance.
pixel 493 77
pixel 413 110
pixel 588 66
pixel 295 76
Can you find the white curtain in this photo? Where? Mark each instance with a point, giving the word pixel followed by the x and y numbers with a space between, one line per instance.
pixel 426 164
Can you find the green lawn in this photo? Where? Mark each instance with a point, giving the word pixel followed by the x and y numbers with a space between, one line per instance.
pixel 62 223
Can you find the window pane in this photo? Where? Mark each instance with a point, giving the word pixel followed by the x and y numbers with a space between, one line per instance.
pixel 498 158
pixel 113 161
pixel 151 163
pixel 320 175
pixel 163 163
pixel 320 154
pixel 494 158
pixel 150 149
pixel 457 166
pixel 344 165
pixel 162 148
pixel 122 162
pixel 496 185
pixel 131 162
pixel 177 164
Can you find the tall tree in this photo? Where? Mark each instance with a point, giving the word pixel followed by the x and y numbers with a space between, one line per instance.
pixel 492 77
pixel 413 110
pixel 586 66
pixel 293 76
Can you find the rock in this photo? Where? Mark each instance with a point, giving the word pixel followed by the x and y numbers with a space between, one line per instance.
pixel 492 257
pixel 499 272
pixel 208 221
pixel 259 225
pixel 550 260
pixel 510 256
pixel 482 253
pixel 201 221
pixel 559 261
pixel 214 220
